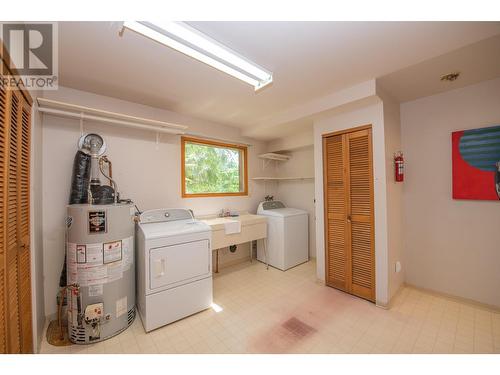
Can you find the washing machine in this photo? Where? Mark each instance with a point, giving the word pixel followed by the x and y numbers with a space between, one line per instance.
pixel 174 266
pixel 287 235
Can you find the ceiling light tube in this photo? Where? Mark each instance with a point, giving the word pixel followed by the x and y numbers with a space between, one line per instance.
pixel 191 42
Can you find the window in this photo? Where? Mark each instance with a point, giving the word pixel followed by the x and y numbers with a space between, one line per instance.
pixel 213 168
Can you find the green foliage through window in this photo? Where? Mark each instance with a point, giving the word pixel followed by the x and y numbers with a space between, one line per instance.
pixel 212 169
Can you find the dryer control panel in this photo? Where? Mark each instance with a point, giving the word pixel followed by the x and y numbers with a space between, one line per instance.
pixel 161 215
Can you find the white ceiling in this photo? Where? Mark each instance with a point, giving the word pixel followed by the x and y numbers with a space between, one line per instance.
pixel 476 62
pixel 308 59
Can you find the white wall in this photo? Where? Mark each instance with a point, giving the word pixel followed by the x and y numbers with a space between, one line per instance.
pixel 37 289
pixel 392 129
pixel 299 193
pixel 372 114
pixel 330 102
pixel 292 142
pixel 146 172
pixel 451 246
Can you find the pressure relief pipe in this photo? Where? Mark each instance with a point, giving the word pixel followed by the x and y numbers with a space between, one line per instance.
pixel 102 160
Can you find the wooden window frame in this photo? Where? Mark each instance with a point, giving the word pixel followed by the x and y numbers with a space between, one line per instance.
pixel 206 142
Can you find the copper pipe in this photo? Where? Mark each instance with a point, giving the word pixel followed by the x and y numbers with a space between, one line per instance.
pixel 102 160
pixel 59 320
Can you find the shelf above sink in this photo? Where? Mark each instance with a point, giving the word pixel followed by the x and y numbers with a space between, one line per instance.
pixel 274 156
pixel 281 178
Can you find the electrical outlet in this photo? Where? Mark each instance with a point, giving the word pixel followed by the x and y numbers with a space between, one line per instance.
pixel 397 267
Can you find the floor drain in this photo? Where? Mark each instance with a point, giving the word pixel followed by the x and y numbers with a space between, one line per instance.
pixel 298 327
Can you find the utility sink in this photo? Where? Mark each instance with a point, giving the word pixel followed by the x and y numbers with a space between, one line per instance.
pixel 253 227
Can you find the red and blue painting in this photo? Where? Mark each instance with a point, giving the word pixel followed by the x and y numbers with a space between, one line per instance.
pixel 476 163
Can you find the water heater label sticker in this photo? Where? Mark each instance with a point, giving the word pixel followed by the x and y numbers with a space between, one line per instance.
pixel 95 290
pixel 115 271
pixel 72 273
pixel 71 252
pixel 128 252
pixel 72 305
pixel 92 275
pixel 81 254
pixel 71 255
pixel 112 251
pixel 121 306
pixel 95 253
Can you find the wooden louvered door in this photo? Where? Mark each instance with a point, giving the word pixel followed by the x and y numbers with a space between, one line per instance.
pixel 349 222
pixel 3 195
pixel 23 225
pixel 360 213
pixel 15 264
pixel 337 274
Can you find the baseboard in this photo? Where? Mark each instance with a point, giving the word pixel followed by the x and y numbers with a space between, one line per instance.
pixel 389 305
pixel 320 282
pixel 481 305
pixel 42 335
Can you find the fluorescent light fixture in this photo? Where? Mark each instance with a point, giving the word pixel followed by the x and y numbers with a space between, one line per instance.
pixel 191 42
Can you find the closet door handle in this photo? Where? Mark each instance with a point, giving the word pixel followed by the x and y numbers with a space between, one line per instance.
pixel 23 243
pixel 349 218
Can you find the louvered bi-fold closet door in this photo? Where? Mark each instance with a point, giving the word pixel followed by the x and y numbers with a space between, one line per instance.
pixel 337 274
pixel 15 264
pixel 12 232
pixel 12 289
pixel 23 228
pixel 360 213
pixel 349 223
pixel 3 140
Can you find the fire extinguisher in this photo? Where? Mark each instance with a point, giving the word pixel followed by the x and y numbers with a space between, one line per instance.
pixel 399 166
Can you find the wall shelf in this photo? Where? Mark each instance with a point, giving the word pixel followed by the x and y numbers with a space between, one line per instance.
pixel 281 178
pixel 274 156
pixel 57 108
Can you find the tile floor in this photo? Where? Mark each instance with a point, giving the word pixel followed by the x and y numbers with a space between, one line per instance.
pixel 289 312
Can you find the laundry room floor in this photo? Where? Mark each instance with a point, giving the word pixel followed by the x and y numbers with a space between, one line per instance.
pixel 270 311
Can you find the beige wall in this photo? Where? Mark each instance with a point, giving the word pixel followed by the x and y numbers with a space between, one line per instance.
pixel 36 216
pixel 294 193
pixel 146 172
pixel 392 131
pixel 299 193
pixel 451 246
pixel 292 142
pixel 374 115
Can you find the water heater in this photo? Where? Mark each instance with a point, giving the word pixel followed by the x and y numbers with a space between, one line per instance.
pixel 100 270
